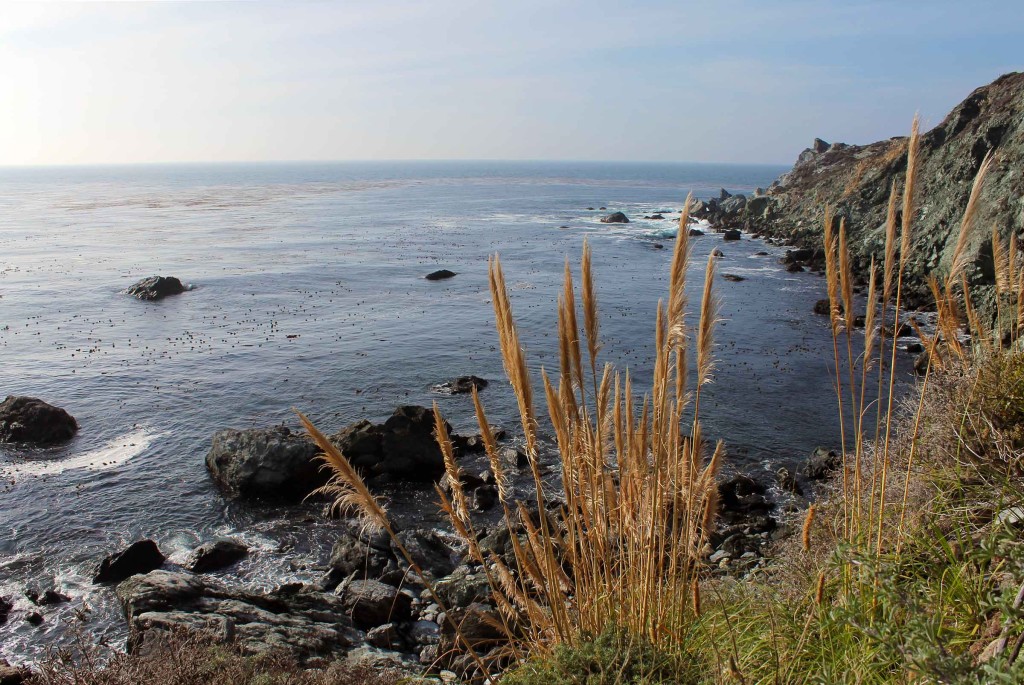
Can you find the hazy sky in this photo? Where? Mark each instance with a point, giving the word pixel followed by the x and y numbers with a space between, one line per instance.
pixel 521 79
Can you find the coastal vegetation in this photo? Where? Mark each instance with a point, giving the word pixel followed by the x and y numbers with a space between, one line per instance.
pixel 908 566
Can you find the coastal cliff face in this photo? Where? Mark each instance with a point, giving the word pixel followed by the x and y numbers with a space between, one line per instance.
pixel 856 180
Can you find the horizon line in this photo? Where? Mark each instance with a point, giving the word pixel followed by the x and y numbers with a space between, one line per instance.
pixel 65 165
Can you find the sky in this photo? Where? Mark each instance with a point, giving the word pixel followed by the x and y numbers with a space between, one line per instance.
pixel 645 80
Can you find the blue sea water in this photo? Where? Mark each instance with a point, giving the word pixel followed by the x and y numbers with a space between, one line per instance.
pixel 308 292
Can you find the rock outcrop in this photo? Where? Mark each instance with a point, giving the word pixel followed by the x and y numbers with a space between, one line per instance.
pixel 856 180
pixel 30 420
pixel 295 619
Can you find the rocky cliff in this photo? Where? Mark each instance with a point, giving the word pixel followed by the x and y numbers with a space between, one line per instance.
pixel 856 180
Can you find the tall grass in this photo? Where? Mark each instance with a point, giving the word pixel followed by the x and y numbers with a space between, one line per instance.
pixel 615 541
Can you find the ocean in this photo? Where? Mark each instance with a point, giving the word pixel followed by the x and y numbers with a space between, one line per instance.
pixel 307 292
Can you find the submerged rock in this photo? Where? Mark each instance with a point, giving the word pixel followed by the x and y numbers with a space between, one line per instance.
pixel 139 557
pixel 731 234
pixel 440 275
pixel 615 218
pixel 265 463
pixel 155 288
pixel 30 420
pixel 216 554
pixel 294 619
pixel 733 277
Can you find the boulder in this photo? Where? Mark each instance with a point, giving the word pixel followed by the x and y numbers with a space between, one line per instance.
pixel 216 554
pixel 30 420
pixel 733 205
pixel 440 275
pixel 821 463
pixel 823 307
pixel 717 253
pixel 461 385
pixel 463 587
pixel 155 288
pixel 5 609
pixel 360 555
pixel 408 445
pixel 741 497
pixel 48 597
pixel 265 463
pixel 731 234
pixel 733 277
pixel 361 443
pixel 13 675
pixel 295 619
pixel 694 232
pixel 795 268
pixel 139 557
pixel 371 603
pixel 615 218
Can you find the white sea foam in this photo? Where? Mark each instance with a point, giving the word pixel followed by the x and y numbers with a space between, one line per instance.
pixel 111 455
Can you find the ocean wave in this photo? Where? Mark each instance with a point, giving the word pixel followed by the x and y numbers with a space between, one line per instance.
pixel 111 455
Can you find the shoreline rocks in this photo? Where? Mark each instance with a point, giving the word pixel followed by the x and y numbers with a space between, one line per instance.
pixel 461 385
pixel 216 554
pixel 271 464
pixel 33 421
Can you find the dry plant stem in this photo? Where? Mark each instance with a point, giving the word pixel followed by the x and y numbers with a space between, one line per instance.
pixel 832 279
pixel 905 232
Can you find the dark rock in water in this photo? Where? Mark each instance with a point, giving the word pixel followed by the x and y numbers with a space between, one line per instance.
pixel 461 385
pixel 760 253
pixel 799 255
pixel 794 268
pixel 13 675
pixel 615 218
pixel 859 321
pixel 403 448
pixel 821 464
pixel 265 463
pixel 914 348
pixel 590 209
pixel 602 208
pixel 921 363
pixel 372 603
pixel 823 307
pixel 155 288
pixel 47 597
pixel 731 234
pixel 733 277
pixel 409 447
pixel 657 216
pixel 216 554
pixel 360 443
pixel 440 275
pixel 515 456
pixel 658 246
pixel 904 330
pixel 34 618
pixel 5 609
pixel 694 232
pixel 295 619
pixel 30 420
pixel 139 557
